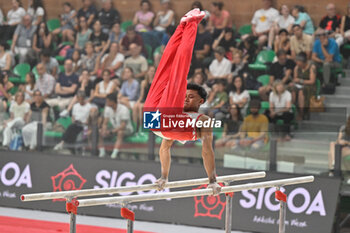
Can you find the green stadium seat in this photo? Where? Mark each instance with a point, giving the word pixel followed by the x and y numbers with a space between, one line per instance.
pixel 65 122
pixel 20 70
pixel 265 56
pixel 149 54
pixel 9 42
pixel 125 25
pixel 35 72
pixel 253 93
pixel 60 59
pixel 245 29
pixel 264 79
pixel 61 69
pixel 53 24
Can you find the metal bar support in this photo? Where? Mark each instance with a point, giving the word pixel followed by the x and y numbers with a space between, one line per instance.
pixel 282 224
pixel 228 220
pixel 72 223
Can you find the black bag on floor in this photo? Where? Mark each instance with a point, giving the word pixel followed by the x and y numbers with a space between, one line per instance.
pixel 329 89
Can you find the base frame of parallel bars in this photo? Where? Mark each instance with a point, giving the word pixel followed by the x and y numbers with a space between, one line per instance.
pixel 72 210
pixel 282 215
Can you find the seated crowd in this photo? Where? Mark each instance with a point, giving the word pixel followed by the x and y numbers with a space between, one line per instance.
pixel 97 71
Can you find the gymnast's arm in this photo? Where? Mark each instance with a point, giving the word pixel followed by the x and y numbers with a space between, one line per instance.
pixel 206 134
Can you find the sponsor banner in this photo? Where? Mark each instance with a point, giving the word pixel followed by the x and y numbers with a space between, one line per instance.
pixel 310 207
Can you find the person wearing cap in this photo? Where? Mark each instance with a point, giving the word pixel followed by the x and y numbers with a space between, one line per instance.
pixel 325 54
pixel 300 42
pixel 253 132
pixel 331 23
pixel 220 68
pixel 304 84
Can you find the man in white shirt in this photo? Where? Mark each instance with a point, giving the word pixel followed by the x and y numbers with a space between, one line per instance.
pixel 119 117
pixel 220 68
pixel 263 21
pixel 136 61
pixel 45 82
pixel 80 117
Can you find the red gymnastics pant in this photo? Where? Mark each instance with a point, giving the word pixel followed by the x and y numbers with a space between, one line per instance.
pixel 168 89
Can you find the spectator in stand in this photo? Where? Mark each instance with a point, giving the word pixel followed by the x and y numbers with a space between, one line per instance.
pixel 98 38
pixel 331 23
pixel 130 90
pixel 39 113
pixel 115 35
pixel 51 64
pixel 165 17
pixel 220 68
pixel 42 40
pixel 66 86
pixel 304 83
pixel 281 108
pixel 80 119
pixel 108 16
pixel 283 42
pixel 253 132
pixel 219 19
pixel 285 20
pixel 202 45
pixel 68 23
pixel 5 86
pixel 83 35
pixel 303 19
pixel 76 60
pixel 345 25
pixel 217 100
pixel 325 54
pixel 86 85
pixel 227 41
pixel 136 61
pixel 45 82
pixel 300 42
pixel 249 49
pixel 131 37
pixel 112 61
pixel 14 18
pixel 344 141
pixel 89 11
pixel 88 60
pixel 239 67
pixel 281 70
pixel 29 87
pixel 262 22
pixel 143 18
pixel 37 11
pixel 239 97
pixel 22 41
pixel 19 113
pixel 103 88
pixel 137 110
pixel 5 57
pixel 119 118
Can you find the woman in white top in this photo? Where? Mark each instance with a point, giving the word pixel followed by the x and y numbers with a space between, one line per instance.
pixel 284 21
pixel 239 97
pixel 112 61
pixel 165 17
pixel 5 57
pixel 103 88
pixel 14 17
pixel 281 108
pixel 18 117
pixel 28 88
pixel 36 10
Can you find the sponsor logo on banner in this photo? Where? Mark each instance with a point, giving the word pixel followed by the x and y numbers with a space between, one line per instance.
pixel 12 175
pixel 175 121
pixel 209 206
pixel 68 179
